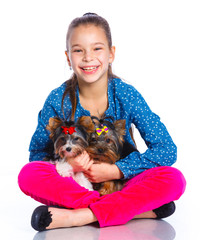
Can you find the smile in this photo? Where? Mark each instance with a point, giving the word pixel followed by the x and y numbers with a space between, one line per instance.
pixel 89 69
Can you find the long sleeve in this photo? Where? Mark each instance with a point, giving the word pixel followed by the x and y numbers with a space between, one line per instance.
pixel 41 145
pixel 125 102
pixel 161 149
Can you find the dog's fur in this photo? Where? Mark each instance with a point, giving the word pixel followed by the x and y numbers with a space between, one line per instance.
pixel 67 144
pixel 106 147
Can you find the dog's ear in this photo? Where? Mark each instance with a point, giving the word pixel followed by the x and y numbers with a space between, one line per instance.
pixel 120 127
pixel 54 123
pixel 87 123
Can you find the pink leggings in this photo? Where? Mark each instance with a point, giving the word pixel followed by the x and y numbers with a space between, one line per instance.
pixel 147 191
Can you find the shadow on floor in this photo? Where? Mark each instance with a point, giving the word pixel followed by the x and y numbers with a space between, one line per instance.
pixel 140 229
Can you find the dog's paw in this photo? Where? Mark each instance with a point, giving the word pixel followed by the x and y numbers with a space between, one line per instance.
pixel 64 169
pixel 64 173
pixel 103 192
pixel 90 188
pixel 83 181
pixel 107 188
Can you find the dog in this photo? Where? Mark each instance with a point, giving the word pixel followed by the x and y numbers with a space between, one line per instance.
pixel 106 144
pixel 70 140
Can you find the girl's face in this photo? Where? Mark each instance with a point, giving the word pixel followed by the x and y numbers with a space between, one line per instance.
pixel 89 54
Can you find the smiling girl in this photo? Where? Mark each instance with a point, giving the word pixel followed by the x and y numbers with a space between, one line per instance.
pixel 93 90
pixel 89 54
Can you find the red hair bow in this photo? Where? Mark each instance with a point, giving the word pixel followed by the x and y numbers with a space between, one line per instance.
pixel 69 130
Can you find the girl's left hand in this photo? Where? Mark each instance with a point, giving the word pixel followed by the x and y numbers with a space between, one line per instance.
pixel 102 172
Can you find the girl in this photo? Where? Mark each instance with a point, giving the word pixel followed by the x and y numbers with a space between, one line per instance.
pixel 94 90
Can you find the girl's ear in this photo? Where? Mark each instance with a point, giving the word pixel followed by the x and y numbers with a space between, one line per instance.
pixel 112 54
pixel 69 63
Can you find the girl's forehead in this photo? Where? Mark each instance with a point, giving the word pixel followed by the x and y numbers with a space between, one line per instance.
pixel 87 34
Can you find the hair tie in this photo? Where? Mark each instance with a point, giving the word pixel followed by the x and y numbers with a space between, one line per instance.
pixel 68 130
pixel 90 14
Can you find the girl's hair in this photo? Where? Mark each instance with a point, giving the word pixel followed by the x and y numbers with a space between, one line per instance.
pixel 86 19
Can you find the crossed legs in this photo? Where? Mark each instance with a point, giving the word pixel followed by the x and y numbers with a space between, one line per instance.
pixel 149 190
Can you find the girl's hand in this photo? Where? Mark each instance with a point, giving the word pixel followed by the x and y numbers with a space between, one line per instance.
pixel 102 172
pixel 81 163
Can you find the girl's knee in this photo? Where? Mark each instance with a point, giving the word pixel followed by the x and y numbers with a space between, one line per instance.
pixel 32 172
pixel 176 179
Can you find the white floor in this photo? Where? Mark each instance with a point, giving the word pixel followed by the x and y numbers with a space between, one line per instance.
pixel 16 210
pixel 157 50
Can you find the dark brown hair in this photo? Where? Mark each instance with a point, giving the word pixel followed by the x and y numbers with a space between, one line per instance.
pixel 86 19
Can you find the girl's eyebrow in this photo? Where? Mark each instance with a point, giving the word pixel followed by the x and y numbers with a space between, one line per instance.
pixel 76 45
pixel 97 43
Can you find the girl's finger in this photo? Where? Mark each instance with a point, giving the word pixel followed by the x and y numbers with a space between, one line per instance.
pixel 89 164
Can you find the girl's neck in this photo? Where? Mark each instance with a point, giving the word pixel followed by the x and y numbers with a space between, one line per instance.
pixel 94 97
pixel 94 91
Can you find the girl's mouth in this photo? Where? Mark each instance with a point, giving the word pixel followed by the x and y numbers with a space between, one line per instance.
pixel 89 69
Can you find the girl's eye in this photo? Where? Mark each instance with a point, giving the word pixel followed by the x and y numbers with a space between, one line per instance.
pixel 77 50
pixel 97 49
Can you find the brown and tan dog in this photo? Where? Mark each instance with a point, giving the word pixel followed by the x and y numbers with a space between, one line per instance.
pixel 106 142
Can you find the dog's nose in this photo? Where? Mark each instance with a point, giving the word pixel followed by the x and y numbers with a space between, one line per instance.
pixel 68 149
pixel 100 150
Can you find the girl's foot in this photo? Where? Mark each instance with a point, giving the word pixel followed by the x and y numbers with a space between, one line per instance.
pixel 165 210
pixel 71 218
pixel 45 217
pixel 149 214
pixel 41 218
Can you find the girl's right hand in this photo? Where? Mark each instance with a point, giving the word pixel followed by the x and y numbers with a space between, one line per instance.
pixel 81 163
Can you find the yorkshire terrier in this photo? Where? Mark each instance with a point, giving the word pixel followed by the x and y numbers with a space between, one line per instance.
pixel 106 144
pixel 70 139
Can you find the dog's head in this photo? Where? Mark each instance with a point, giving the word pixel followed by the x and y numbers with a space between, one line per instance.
pixel 70 139
pixel 105 139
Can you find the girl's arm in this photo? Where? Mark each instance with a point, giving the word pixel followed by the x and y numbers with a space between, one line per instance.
pixel 41 145
pixel 103 172
pixel 161 149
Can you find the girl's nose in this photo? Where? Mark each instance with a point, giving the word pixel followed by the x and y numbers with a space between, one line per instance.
pixel 88 56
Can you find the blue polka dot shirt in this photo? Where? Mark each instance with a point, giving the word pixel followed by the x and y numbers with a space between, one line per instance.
pixel 125 102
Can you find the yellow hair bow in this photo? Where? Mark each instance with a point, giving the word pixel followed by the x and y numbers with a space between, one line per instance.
pixel 100 130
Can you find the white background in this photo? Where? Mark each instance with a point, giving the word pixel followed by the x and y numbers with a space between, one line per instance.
pixel 157 50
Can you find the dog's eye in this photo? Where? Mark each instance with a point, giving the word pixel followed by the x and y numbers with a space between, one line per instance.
pixel 62 139
pixel 76 138
pixel 93 140
pixel 108 140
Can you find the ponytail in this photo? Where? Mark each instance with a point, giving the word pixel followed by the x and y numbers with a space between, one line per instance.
pixel 71 85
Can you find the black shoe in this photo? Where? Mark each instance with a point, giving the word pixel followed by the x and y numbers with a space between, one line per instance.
pixel 41 218
pixel 165 210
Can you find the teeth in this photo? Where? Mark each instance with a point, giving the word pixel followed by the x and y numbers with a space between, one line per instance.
pixel 89 68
